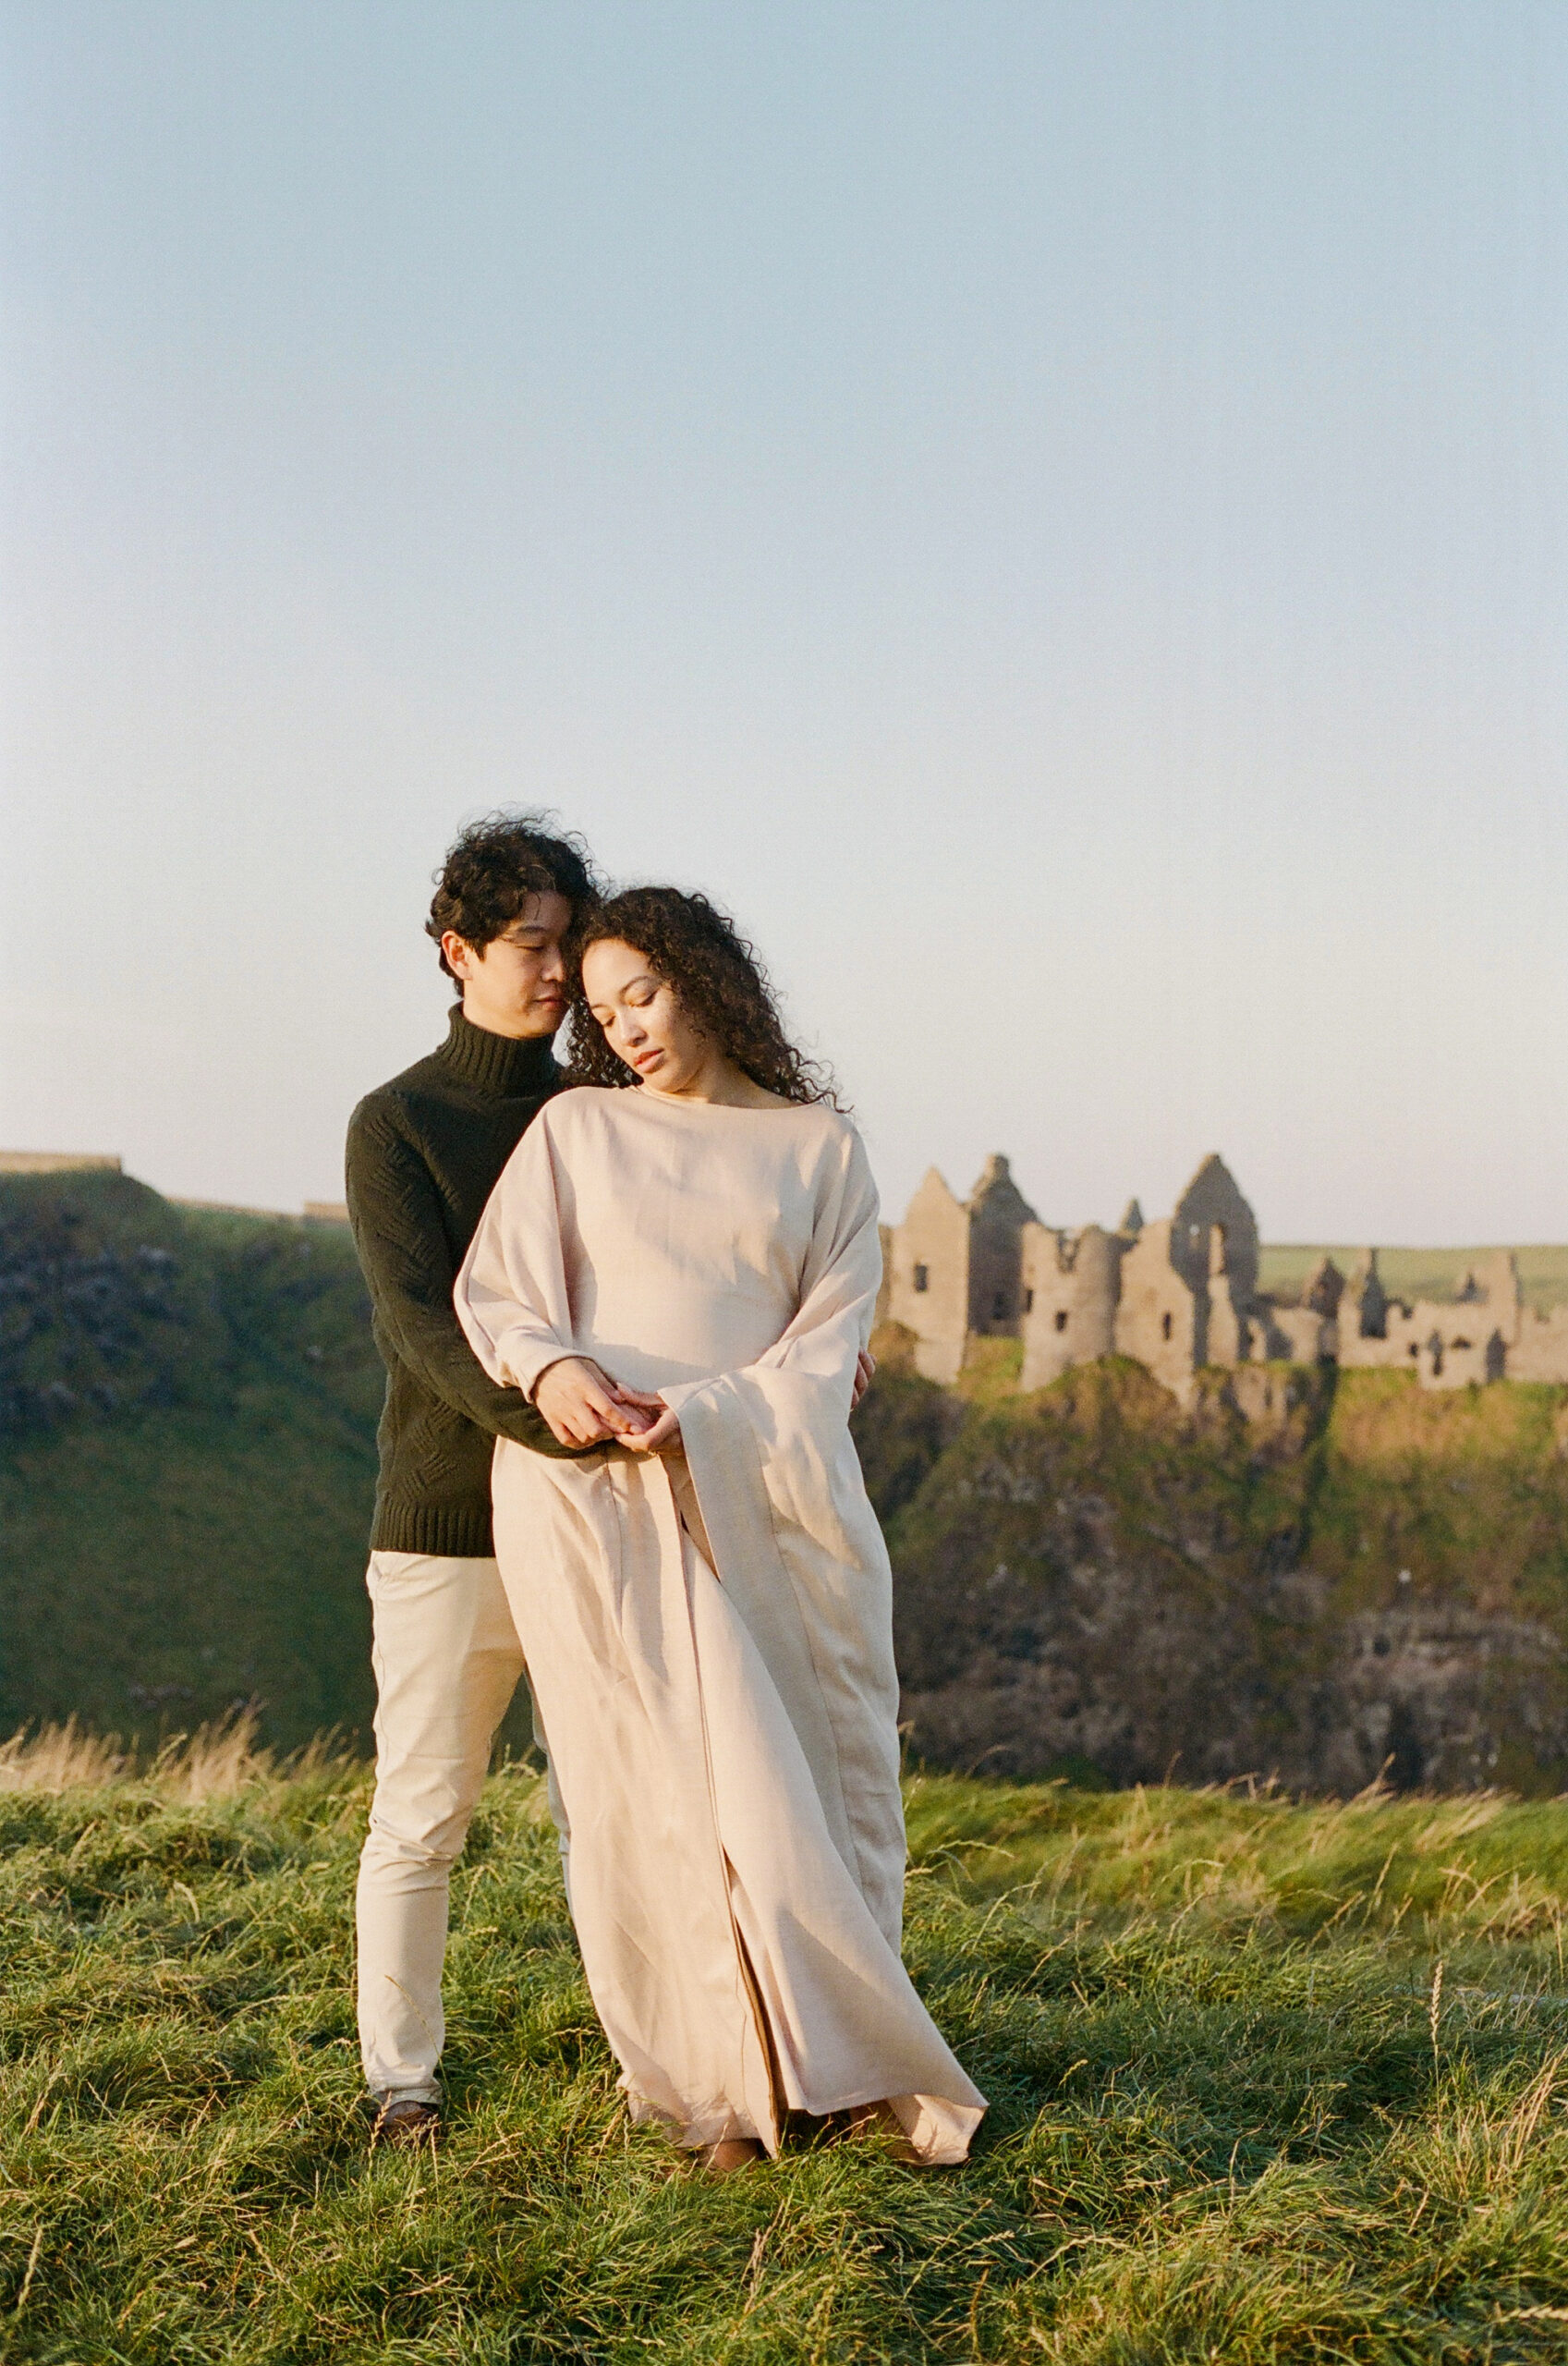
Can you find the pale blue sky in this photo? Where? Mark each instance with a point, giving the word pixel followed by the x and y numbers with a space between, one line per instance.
pixel 1054 514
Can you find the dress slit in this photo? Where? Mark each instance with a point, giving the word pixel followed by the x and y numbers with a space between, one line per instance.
pixel 693 1567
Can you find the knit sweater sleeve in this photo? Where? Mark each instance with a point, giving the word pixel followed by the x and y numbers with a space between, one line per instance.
pixel 395 1216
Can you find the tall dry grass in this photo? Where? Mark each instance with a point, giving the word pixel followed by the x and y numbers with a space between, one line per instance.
pixel 219 1760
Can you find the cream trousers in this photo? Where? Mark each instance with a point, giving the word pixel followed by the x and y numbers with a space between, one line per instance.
pixel 447 1661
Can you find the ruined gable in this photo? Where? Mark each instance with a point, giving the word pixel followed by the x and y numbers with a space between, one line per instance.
pixel 1212 1203
pixel 998 1213
pixel 956 1266
pixel 928 1287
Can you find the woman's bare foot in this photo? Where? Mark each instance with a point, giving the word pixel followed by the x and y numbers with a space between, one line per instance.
pixel 733 2152
pixel 881 2119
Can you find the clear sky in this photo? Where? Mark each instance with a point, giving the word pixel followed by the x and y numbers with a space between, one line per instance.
pixel 1054 514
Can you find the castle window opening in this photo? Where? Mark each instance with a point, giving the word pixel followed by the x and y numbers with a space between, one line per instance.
pixel 1166 1326
pixel 1029 1301
pixel 922 1277
pixel 1062 1318
pixel 998 1306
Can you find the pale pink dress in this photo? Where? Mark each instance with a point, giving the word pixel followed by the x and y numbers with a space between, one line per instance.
pixel 711 1646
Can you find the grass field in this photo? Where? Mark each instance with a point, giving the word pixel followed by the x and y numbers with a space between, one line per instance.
pixel 1267 2081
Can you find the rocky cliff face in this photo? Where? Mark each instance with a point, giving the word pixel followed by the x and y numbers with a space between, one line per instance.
pixel 1326 1582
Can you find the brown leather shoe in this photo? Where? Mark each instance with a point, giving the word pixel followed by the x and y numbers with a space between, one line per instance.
pixel 402 2123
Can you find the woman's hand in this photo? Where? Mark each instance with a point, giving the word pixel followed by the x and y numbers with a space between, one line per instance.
pixel 583 1407
pixel 665 1437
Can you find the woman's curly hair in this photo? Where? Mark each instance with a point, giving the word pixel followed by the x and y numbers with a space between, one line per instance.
pixel 720 982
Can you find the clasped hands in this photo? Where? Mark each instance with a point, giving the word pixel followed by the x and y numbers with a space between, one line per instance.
pixel 584 1406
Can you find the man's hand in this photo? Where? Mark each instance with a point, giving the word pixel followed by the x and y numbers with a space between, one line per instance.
pixel 864 1371
pixel 585 1407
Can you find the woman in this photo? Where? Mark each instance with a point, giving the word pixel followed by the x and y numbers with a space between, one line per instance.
pixel 685 1271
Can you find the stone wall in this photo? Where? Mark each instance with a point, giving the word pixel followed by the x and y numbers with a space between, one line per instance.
pixel 1181 1294
pixel 1072 1283
pixel 1159 1321
pixel 928 1281
pixel 1484 1333
pixel 1539 1351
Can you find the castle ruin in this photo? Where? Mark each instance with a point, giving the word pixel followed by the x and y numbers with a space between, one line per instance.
pixel 1181 1294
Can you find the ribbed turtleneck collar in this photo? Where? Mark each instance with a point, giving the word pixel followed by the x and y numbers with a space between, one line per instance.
pixel 509 1065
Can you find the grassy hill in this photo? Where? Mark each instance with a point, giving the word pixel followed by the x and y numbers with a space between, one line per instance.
pixel 186 1462
pixel 1268 2084
pixel 1328 1581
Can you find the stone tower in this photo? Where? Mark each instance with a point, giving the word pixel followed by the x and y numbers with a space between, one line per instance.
pixel 1364 1311
pixel 1158 1315
pixel 955 1267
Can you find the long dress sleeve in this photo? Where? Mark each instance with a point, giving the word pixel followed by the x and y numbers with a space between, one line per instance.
pixel 511 1294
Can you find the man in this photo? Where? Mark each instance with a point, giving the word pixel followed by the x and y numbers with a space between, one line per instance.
pixel 424 1153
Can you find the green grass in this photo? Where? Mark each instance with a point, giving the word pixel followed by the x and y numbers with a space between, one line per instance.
pixel 188 1403
pixel 1238 2110
pixel 993 1368
pixel 161 1569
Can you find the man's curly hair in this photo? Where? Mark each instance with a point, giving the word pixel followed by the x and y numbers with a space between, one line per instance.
pixel 720 982
pixel 492 869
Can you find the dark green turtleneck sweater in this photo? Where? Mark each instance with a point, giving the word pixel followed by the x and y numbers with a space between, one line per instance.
pixel 424 1152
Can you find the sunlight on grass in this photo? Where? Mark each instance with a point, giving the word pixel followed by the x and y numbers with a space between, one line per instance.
pixel 1269 2083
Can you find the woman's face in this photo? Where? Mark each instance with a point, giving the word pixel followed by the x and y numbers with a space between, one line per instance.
pixel 643 1021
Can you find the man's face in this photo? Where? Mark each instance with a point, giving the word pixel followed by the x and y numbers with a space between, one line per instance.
pixel 517 984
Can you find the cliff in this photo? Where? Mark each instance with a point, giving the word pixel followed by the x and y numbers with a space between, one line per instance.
pixel 1320 1578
